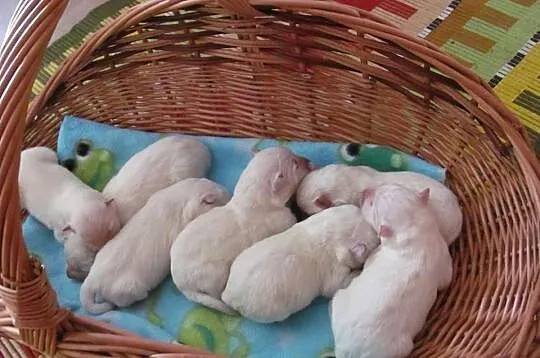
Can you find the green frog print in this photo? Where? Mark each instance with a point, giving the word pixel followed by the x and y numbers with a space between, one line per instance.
pixel 214 331
pixel 379 157
pixel 94 166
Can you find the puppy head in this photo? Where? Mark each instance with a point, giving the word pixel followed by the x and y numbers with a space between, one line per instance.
pixel 79 257
pixel 392 207
pixel 96 222
pixel 272 176
pixel 332 185
pixel 365 240
pixel 203 196
pixel 352 237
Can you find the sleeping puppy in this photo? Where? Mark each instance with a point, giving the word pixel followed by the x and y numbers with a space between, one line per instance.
pixel 380 312
pixel 137 259
pixel 204 251
pixel 64 204
pixel 282 274
pixel 339 184
pixel 156 167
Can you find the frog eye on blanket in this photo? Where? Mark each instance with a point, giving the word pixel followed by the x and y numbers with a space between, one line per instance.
pixel 92 164
pixel 349 152
pixel 352 149
pixel 83 148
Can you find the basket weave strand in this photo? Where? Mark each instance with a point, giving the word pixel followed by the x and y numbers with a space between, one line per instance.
pixel 27 297
pixel 291 69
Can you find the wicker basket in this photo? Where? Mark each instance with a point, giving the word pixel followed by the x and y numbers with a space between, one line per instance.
pixel 297 69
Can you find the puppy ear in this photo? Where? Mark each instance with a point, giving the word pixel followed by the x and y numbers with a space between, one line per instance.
pixel 351 254
pixel 208 198
pixel 109 202
pixel 358 249
pixel 386 231
pixel 424 196
pixel 367 194
pixel 323 201
pixel 68 230
pixel 303 162
pixel 278 183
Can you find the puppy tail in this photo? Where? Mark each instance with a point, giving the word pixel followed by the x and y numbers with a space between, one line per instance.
pixel 88 299
pixel 211 302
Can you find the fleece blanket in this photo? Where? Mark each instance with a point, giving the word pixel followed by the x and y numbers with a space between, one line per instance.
pixel 98 151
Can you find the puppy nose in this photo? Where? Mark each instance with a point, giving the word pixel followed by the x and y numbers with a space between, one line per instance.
pixel 74 274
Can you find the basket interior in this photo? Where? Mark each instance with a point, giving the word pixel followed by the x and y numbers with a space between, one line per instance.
pixel 302 76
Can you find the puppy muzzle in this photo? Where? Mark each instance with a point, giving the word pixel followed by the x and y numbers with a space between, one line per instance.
pixel 76 274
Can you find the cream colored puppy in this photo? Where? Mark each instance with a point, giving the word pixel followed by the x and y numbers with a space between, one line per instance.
pixel 339 184
pixel 64 204
pixel 383 308
pixel 137 259
pixel 156 167
pixel 282 274
pixel 204 251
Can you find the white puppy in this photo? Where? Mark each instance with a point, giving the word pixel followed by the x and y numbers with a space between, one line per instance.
pixel 156 167
pixel 383 308
pixel 282 274
pixel 339 184
pixel 64 204
pixel 137 259
pixel 204 251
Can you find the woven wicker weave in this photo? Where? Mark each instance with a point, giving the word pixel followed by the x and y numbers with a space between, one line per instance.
pixel 297 69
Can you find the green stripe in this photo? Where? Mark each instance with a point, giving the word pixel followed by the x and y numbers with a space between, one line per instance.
pixel 507 43
pixel 529 101
pixel 58 50
pixel 485 29
pixel 509 8
pixel 510 44
pixel 463 51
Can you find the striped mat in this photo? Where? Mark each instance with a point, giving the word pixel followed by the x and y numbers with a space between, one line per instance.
pixel 497 39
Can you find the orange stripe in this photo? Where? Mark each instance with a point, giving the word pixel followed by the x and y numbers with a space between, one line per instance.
pixel 473 40
pixel 525 2
pixel 398 8
pixel 457 19
pixel 495 17
pixel 463 62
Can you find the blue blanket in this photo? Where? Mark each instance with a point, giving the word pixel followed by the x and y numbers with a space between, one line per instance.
pixel 166 315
